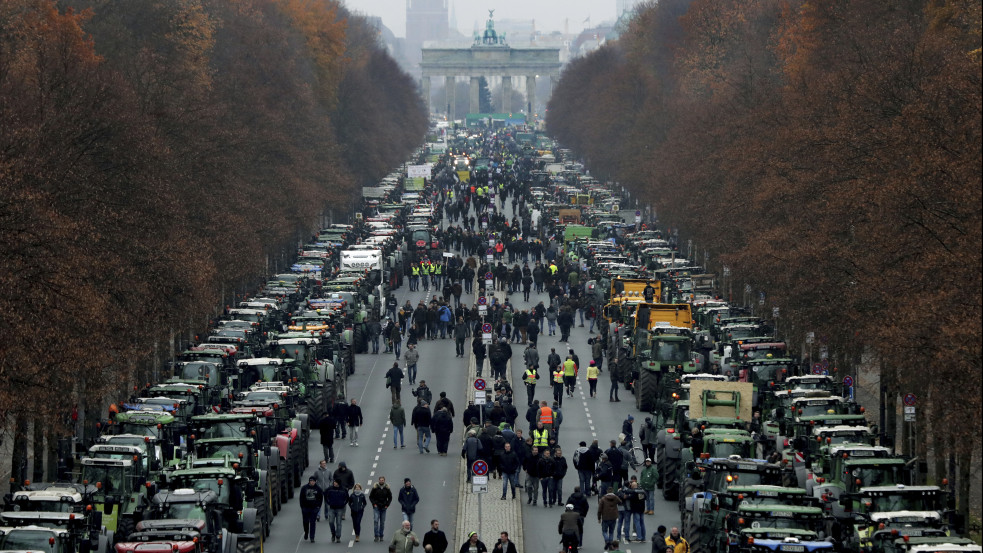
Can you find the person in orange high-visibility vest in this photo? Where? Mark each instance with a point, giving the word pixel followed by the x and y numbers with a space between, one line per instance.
pixel 545 414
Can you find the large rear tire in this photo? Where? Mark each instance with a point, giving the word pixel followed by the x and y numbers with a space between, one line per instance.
pixel 125 526
pixel 695 535
pixel 645 391
pixel 660 455
pixel 254 545
pixel 361 344
pixel 688 488
pixel 670 488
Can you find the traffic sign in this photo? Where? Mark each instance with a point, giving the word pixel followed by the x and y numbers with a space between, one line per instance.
pixel 638 213
pixel 479 383
pixel 848 380
pixel 479 480
pixel 480 398
pixel 909 413
pixel 479 468
pixel 817 368
pixel 489 276
pixel 487 327
pixel 482 300
pixel 910 399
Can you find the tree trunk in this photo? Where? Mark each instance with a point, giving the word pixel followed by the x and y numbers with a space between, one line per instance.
pixel 39 453
pixel 18 466
pixel 965 462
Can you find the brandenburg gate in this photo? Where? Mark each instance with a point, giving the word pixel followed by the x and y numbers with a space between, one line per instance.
pixel 489 56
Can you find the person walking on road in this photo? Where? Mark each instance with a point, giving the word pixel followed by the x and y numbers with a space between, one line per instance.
pixel 310 504
pixel 545 467
pixel 647 481
pixel 396 338
pixel 404 540
pixel 394 381
pixel 460 334
pixel 324 479
pixel 408 500
pixel 531 464
pixel 411 358
pixel 435 538
pixel 509 465
pixel 479 350
pixel 648 435
pixel 337 499
pixel 615 378
pixel 344 476
pixel 397 416
pixel 558 385
pixel 529 377
pixel 356 503
pixel 636 506
pixel 571 528
pixel 592 371
pixel 422 392
pixel 381 497
pixel 442 425
pixel 421 421
pixel 582 506
pixel 570 370
pixel 560 468
pixel 354 421
pixel 473 545
pixel 471 449
pixel 607 515
pixel 326 427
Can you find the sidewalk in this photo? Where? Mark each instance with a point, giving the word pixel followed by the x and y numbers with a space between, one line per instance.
pixel 496 515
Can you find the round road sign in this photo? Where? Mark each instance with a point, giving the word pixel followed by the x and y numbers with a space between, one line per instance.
pixel 479 384
pixel 817 368
pixel 490 251
pixel 848 380
pixel 489 276
pixel 638 213
pixel 486 328
pixel 910 399
pixel 482 300
pixel 479 467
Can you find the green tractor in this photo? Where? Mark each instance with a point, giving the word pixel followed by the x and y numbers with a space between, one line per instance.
pixel 847 469
pixel 713 404
pixel 711 481
pixel 119 491
pixel 208 500
pixel 775 527
pixel 662 353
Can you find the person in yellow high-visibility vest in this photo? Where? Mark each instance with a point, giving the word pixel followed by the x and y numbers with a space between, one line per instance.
pixel 558 384
pixel 414 277
pixel 541 435
pixel 570 374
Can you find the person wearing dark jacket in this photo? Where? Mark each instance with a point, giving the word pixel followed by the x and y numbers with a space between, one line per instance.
pixel 408 500
pixel 310 503
pixel 435 538
pixel 443 403
pixel 509 465
pixel 460 334
pixel 394 381
pixel 579 502
pixel 473 545
pixel 571 527
pixel 559 471
pixel 478 347
pixel 340 412
pixel 421 421
pixel 659 540
pixel 616 457
pixel 442 425
pixel 545 467
pixel 504 544
pixel 344 477
pixel 354 421
pixel 326 427
pixel 531 464
pixel 337 499
pixel 381 497
pixel 471 413
pixel 356 504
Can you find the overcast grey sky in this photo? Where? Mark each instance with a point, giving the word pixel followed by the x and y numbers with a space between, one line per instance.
pixel 548 14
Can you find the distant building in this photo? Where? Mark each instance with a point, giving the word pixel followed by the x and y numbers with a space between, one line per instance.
pixel 426 20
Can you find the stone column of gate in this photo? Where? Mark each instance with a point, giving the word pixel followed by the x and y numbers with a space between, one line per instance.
pixel 531 96
pixel 507 93
pixel 425 85
pixel 449 90
pixel 475 105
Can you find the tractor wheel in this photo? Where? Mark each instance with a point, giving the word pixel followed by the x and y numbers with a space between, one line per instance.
pixel 360 345
pixel 274 492
pixel 670 488
pixel 287 476
pixel 645 391
pixel 125 526
pixel 315 404
pixel 230 542
pixel 261 504
pixel 660 455
pixel 694 535
pixel 254 545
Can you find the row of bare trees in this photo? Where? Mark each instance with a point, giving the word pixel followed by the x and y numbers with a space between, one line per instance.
pixel 829 154
pixel 155 155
